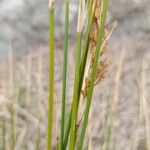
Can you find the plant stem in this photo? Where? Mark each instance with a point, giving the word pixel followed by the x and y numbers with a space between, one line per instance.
pixel 94 70
pixel 67 130
pixel 51 74
pixel 85 48
pixel 89 5
pixel 75 93
pixel 64 74
pixel 82 66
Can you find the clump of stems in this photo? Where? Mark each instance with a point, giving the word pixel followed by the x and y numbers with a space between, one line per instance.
pixel 95 11
pixel 93 78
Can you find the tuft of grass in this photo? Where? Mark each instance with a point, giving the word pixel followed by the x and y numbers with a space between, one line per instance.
pixel 71 124
pixel 72 133
pixel 96 67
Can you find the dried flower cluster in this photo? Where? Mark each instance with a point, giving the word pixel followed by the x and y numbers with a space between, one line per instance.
pixel 103 62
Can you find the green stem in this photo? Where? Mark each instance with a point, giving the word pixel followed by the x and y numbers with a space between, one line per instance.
pixel 67 130
pixel 82 68
pixel 85 48
pixel 51 77
pixel 89 6
pixel 75 93
pixel 64 75
pixel 94 70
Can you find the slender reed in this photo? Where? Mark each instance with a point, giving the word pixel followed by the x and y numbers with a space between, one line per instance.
pixel 85 48
pixel 82 66
pixel 51 73
pixel 75 95
pixel 94 70
pixel 74 112
pixel 74 109
pixel 64 74
pixel 67 130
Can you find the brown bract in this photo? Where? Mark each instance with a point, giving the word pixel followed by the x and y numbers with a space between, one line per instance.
pixel 93 40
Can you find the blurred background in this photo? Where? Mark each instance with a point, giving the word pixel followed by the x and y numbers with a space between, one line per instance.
pixel 24 23
pixel 24 71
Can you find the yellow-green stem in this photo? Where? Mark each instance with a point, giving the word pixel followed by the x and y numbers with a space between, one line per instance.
pixel 75 93
pixel 86 44
pixel 94 70
pixel 51 77
pixel 82 67
pixel 64 75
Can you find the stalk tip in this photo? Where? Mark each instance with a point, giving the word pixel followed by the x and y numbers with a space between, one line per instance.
pixel 51 4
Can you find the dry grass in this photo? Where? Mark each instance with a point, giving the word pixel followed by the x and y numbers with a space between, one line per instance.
pixel 131 123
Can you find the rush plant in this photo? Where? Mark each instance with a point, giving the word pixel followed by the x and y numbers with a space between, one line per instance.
pixel 90 69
